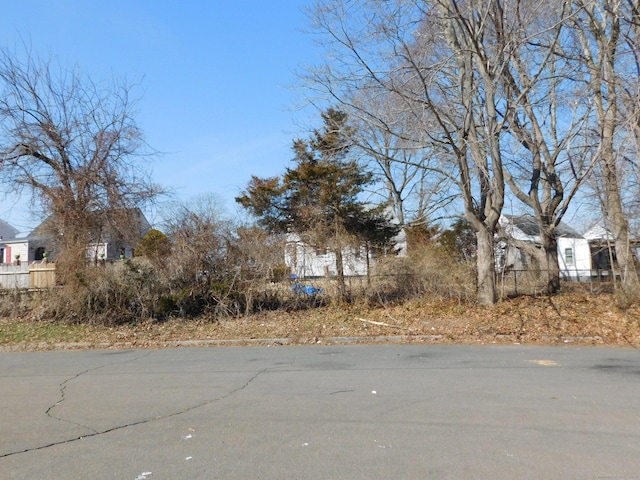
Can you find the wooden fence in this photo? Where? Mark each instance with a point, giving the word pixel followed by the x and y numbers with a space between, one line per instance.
pixel 35 275
pixel 42 275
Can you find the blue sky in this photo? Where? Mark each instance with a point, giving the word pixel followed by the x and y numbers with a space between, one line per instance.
pixel 218 78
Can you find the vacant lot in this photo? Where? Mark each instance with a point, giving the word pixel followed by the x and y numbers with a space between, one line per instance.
pixel 567 318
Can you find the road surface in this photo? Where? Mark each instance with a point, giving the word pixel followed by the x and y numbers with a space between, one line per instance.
pixel 322 412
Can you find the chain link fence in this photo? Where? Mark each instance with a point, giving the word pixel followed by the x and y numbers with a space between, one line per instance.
pixel 532 282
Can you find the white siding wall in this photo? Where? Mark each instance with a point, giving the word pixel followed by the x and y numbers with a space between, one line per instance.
pixel 17 248
pixel 306 261
pixel 96 252
pixel 578 266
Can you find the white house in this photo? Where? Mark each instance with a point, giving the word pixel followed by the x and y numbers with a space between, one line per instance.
pixel 574 254
pixel 9 246
pixel 602 244
pixel 108 242
pixel 598 232
pixel 306 261
pixel 13 250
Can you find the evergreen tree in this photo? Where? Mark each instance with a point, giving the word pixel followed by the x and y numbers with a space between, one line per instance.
pixel 318 198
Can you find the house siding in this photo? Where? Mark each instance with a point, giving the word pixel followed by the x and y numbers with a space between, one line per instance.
pixel 603 252
pixel 304 261
pixel 580 267
pixel 575 268
pixel 13 248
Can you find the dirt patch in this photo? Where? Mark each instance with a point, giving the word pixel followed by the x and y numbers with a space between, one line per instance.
pixel 567 318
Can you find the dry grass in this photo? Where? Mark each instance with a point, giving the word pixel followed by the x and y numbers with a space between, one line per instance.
pixel 572 317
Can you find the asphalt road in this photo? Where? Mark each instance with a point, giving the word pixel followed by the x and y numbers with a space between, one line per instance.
pixel 343 412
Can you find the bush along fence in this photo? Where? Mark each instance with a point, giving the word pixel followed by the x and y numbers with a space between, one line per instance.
pixel 512 282
pixel 516 282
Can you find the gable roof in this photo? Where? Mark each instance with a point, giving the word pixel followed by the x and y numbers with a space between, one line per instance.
pixel 7 232
pixel 598 231
pixel 103 224
pixel 528 225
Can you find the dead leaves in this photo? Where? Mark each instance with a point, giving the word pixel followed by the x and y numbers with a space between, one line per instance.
pixel 571 317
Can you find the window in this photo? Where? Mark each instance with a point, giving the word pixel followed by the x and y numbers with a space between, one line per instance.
pixel 568 256
pixel 320 251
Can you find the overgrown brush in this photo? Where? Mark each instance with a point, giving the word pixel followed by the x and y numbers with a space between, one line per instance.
pixel 139 290
pixel 427 271
pixel 15 302
pixel 625 298
pixel 111 294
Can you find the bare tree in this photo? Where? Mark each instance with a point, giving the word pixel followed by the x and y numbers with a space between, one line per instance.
pixel 258 254
pixel 630 113
pixel 544 157
pixel 441 61
pixel 631 86
pixel 607 31
pixel 199 233
pixel 73 145
pixel 398 164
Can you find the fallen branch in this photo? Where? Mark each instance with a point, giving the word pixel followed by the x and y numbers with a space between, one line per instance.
pixel 379 323
pixel 395 320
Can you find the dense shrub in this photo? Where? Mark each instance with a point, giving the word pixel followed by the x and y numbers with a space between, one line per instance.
pixel 111 294
pixel 16 303
pixel 213 277
pixel 428 270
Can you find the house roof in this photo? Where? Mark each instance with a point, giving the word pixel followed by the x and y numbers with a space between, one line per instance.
pixel 528 225
pixel 598 231
pixel 102 219
pixel 7 232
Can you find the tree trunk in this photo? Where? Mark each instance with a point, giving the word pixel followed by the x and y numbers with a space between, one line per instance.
pixel 340 272
pixel 486 290
pixel 550 262
pixel 367 252
pixel 618 222
pixel 629 281
pixel 605 85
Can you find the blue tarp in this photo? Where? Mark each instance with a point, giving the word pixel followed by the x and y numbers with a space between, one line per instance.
pixel 305 289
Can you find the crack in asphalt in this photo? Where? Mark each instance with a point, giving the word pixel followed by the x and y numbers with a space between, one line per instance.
pixel 63 388
pixel 341 391
pixel 95 433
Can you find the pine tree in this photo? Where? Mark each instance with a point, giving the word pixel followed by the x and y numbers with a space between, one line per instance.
pixel 318 198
